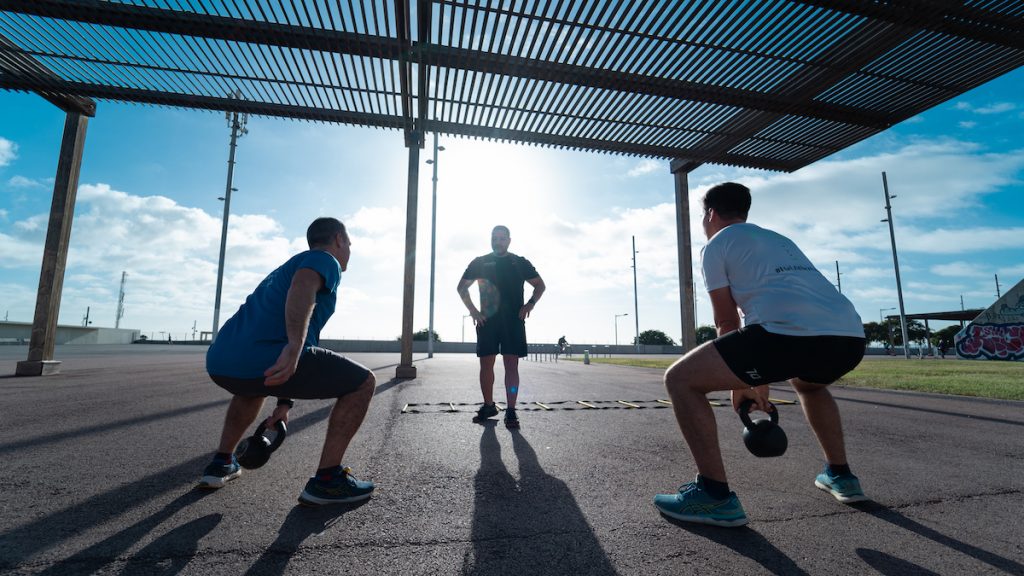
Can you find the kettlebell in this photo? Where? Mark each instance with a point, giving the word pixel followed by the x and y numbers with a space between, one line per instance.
pixel 764 438
pixel 255 451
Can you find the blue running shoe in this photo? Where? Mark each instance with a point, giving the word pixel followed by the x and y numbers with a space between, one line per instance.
pixel 693 504
pixel 219 473
pixel 341 489
pixel 844 487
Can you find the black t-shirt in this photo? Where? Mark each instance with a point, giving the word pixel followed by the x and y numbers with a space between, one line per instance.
pixel 501 282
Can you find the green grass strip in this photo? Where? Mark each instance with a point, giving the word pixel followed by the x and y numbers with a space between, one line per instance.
pixel 980 378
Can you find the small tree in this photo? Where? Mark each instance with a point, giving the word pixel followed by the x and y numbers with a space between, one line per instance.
pixel 875 332
pixel 946 334
pixel 915 332
pixel 421 336
pixel 706 334
pixel 655 337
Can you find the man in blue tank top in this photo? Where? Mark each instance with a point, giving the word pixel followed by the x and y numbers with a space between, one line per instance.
pixel 270 347
pixel 796 328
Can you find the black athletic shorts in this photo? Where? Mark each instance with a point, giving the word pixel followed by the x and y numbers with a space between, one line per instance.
pixel 501 335
pixel 321 374
pixel 758 356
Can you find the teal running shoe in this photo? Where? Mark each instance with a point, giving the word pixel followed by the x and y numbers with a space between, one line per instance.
pixel 844 487
pixel 219 473
pixel 693 504
pixel 343 488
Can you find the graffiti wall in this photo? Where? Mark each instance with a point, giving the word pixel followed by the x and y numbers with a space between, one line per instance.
pixel 997 333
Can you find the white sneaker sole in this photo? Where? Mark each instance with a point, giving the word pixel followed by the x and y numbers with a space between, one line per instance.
pixel 215 482
pixel 840 497
pixel 309 500
pixel 705 520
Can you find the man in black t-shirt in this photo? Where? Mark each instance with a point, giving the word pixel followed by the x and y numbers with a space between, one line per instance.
pixel 500 321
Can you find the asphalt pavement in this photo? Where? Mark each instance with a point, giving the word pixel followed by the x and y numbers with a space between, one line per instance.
pixel 101 463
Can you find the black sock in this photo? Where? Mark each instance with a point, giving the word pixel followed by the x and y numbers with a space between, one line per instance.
pixel 327 473
pixel 714 488
pixel 223 456
pixel 837 469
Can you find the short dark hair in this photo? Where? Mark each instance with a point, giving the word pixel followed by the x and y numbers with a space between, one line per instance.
pixel 500 227
pixel 729 200
pixel 322 231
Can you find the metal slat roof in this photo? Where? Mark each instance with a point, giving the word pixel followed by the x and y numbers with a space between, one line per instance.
pixel 761 84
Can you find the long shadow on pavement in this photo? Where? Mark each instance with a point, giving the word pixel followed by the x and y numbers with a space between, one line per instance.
pixel 745 542
pixel 895 518
pixel 107 426
pixel 533 527
pixel 300 524
pixel 20 543
pixel 889 565
pixel 106 551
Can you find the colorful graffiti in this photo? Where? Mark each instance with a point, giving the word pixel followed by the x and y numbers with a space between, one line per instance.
pixel 991 342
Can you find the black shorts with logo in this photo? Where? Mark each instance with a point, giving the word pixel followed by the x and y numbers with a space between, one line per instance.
pixel 758 356
pixel 321 373
pixel 501 334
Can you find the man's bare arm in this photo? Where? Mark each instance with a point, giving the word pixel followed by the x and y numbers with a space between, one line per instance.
pixel 538 291
pixel 297 312
pixel 464 284
pixel 727 317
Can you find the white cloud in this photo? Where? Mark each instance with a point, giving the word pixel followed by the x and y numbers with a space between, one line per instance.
pixel 968 124
pixel 8 151
pixel 996 108
pixel 23 182
pixel 959 269
pixel 645 167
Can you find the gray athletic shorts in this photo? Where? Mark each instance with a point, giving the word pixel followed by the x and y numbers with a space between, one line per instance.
pixel 321 374
pixel 758 356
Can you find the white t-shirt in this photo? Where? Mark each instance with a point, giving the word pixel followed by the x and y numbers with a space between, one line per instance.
pixel 775 285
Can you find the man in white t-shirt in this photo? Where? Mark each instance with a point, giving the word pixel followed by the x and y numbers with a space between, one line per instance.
pixel 797 327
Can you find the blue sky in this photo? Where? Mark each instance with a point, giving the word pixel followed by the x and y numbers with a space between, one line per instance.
pixel 151 176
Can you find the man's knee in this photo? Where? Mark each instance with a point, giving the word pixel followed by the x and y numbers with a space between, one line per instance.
pixel 678 377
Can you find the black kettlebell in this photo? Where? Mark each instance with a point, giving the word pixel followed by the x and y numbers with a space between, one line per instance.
pixel 764 438
pixel 255 451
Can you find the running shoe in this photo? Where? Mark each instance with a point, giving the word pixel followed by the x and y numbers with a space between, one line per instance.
pixel 693 504
pixel 219 473
pixel 844 487
pixel 511 420
pixel 485 412
pixel 342 488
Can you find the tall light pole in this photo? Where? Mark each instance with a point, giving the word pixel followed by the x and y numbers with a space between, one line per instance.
pixel 433 252
pixel 839 278
pixel 896 265
pixel 636 307
pixel 617 316
pixel 237 124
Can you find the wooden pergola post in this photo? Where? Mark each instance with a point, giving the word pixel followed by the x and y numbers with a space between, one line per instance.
pixel 406 370
pixel 680 170
pixel 55 252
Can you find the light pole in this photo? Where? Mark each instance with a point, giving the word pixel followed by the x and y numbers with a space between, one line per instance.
pixel 464 316
pixel 433 251
pixel 636 307
pixel 896 265
pixel 237 123
pixel 617 316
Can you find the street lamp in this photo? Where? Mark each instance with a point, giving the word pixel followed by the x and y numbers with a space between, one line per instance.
pixel 636 305
pixel 237 124
pixel 464 316
pixel 895 264
pixel 617 316
pixel 433 252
